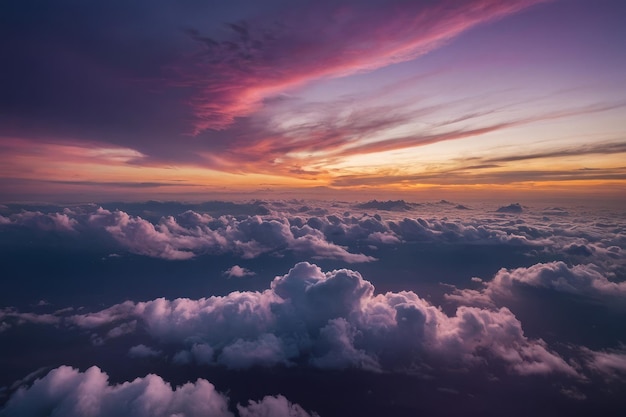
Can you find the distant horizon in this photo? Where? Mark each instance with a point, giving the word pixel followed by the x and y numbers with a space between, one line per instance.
pixel 354 197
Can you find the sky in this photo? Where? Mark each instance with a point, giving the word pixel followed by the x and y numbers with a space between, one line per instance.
pixel 240 99
pixel 297 208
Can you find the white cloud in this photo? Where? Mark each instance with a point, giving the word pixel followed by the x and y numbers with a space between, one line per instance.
pixel 237 271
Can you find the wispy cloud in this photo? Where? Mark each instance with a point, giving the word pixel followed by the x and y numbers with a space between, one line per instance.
pixel 260 60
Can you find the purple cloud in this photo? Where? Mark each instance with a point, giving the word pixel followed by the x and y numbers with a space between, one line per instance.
pixel 335 320
pixel 66 391
pixel 589 280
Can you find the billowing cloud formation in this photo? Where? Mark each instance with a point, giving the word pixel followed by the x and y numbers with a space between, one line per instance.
pixel 578 279
pixel 65 391
pixel 249 237
pixel 332 232
pixel 332 320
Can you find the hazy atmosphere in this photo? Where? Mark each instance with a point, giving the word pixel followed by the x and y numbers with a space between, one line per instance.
pixel 313 209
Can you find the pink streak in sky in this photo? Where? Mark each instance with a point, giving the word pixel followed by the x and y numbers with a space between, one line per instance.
pixel 235 76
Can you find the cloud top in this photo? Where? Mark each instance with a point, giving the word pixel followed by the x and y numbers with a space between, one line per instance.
pixel 66 391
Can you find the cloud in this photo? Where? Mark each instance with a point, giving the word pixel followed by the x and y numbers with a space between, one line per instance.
pixel 331 320
pixel 607 148
pixel 238 272
pixel 66 391
pixel 267 350
pixel 249 237
pixel 277 406
pixel 588 280
pixel 327 231
pixel 320 41
pixel 511 208
pixel 58 222
pixel 143 351
pixel 610 363
pixel 10 315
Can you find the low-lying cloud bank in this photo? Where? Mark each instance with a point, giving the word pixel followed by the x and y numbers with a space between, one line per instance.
pixel 333 231
pixel 67 392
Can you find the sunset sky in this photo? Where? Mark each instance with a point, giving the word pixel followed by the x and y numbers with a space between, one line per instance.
pixel 156 99
pixel 312 208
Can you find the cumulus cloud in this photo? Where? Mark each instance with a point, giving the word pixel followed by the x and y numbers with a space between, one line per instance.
pixel 66 391
pixel 58 222
pixel 587 280
pixel 330 320
pixel 332 232
pixel 196 234
pixel 237 271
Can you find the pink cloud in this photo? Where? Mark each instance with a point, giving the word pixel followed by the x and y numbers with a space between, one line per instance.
pixel 589 280
pixel 66 391
pixel 238 272
pixel 335 320
pixel 260 61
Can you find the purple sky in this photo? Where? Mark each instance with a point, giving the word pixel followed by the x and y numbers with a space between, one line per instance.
pixel 154 99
